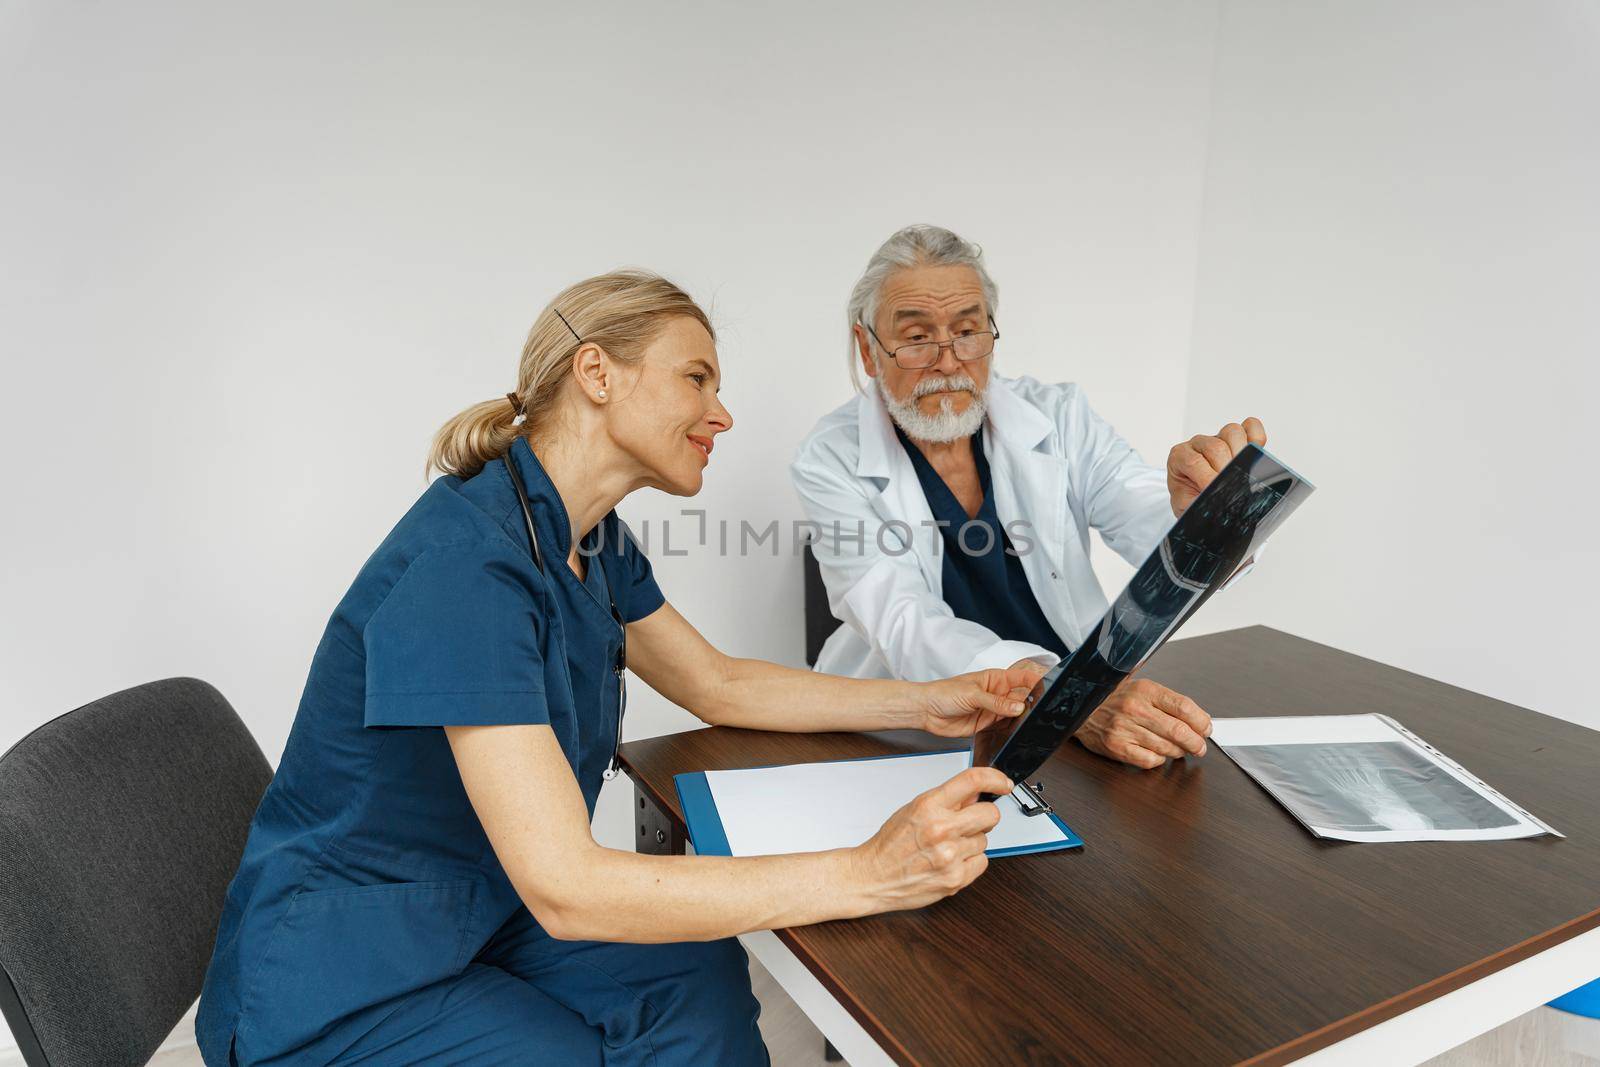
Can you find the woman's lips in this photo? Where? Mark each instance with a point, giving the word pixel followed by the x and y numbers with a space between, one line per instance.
pixel 703 444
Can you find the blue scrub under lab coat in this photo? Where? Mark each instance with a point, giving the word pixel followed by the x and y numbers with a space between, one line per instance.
pixel 981 577
pixel 370 921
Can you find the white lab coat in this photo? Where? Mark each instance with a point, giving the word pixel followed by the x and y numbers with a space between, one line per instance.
pixel 1056 466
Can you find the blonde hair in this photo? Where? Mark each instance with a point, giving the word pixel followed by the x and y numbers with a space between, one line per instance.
pixel 622 312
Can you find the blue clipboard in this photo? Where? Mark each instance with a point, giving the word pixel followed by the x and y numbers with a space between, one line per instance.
pixel 710 839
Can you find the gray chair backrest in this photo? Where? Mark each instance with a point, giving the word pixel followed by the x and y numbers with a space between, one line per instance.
pixel 819 619
pixel 121 824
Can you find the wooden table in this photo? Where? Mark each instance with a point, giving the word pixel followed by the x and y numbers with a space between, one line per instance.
pixel 1201 924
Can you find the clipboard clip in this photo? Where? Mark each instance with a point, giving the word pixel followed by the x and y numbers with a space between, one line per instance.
pixel 1031 799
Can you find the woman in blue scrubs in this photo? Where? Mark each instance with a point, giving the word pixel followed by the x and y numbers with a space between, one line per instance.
pixel 420 883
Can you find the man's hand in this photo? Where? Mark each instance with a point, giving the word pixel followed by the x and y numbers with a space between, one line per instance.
pixel 967 703
pixel 1146 724
pixel 1192 465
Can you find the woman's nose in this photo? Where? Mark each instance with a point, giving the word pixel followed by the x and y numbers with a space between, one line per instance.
pixel 720 417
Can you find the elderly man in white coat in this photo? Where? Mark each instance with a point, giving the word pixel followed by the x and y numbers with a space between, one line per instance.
pixel 954 505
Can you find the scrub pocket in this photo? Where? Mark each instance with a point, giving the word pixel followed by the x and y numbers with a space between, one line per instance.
pixel 338 951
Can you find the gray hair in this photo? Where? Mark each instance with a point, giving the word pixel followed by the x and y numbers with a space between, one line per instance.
pixel 914 246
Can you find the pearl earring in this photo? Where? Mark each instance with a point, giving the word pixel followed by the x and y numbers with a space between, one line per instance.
pixel 601 394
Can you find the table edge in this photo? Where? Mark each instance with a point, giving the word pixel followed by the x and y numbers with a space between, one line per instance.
pixel 1417 996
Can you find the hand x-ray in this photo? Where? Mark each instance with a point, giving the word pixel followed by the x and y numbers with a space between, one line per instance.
pixel 1367 778
pixel 1201 554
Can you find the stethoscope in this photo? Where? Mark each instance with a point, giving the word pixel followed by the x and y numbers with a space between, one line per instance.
pixel 620 667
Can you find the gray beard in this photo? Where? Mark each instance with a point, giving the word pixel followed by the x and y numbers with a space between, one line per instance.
pixel 947 424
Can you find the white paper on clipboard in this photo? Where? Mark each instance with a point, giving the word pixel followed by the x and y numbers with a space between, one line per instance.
pixel 1367 778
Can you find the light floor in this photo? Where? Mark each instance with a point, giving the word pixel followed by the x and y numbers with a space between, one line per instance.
pixel 1542 1038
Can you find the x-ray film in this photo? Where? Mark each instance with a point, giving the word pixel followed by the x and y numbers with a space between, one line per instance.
pixel 1367 778
pixel 1204 549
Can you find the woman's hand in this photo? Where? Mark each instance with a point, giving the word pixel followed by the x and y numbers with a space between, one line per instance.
pixel 932 847
pixel 967 703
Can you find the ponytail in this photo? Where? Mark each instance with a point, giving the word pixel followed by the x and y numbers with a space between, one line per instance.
pixel 475 438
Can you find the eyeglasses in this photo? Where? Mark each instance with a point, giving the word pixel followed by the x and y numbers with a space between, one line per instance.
pixel 924 354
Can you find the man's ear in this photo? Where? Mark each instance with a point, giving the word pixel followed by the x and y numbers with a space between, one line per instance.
pixel 864 350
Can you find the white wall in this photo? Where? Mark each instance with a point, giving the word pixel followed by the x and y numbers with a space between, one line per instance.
pixel 254 257
pixel 1400 267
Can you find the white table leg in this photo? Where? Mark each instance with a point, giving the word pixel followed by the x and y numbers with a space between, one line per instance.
pixel 836 1024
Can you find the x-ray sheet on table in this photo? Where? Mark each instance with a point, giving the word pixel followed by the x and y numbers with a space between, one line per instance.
pixel 1367 778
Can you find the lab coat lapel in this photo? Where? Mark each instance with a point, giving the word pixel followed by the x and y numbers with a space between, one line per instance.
pixel 1030 486
pixel 900 498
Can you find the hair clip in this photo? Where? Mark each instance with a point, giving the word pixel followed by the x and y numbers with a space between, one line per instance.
pixel 519 410
pixel 567 324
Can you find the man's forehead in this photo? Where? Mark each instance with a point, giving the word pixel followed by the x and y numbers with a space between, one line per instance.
pixel 932 291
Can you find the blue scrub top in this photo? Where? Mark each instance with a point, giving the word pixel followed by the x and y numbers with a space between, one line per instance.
pixel 366 873
pixel 982 574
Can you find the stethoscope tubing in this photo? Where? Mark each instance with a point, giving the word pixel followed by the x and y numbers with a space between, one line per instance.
pixel 620 667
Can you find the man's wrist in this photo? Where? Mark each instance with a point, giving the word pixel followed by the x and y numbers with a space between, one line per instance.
pixel 1090 735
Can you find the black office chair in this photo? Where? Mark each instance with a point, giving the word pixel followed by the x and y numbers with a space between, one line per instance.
pixel 121 824
pixel 820 622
